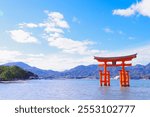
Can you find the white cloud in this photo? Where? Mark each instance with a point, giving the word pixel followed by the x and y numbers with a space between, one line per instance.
pixel 59 62
pixel 28 25
pixel 141 7
pixel 51 29
pixel 8 56
pixel 125 12
pixel 108 30
pixel 70 46
pixel 21 36
pixel 36 55
pixel 55 23
pixel 57 20
pixel 143 55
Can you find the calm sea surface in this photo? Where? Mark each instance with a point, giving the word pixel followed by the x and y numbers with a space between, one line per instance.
pixel 73 90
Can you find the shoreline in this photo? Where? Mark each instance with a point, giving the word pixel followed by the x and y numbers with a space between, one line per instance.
pixel 13 81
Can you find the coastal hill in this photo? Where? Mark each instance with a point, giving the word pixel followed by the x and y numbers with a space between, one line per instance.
pixel 8 73
pixel 90 71
pixel 35 70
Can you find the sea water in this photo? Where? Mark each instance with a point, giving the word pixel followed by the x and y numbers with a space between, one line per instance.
pixel 83 89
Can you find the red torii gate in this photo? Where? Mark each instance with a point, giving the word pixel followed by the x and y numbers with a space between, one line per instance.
pixel 112 61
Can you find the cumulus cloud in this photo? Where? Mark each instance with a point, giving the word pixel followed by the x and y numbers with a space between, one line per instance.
pixel 21 36
pixel 70 46
pixel 55 23
pixel 57 19
pixel 141 7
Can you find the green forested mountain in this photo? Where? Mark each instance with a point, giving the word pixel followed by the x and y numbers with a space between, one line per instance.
pixel 15 73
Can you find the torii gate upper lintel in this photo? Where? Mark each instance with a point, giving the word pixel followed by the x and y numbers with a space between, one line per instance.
pixel 112 61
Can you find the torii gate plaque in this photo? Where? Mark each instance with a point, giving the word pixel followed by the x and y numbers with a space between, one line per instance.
pixel 112 61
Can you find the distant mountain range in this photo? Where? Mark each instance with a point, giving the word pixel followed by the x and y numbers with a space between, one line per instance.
pixel 90 71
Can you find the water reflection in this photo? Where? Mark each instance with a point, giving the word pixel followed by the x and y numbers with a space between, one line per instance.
pixel 74 89
pixel 104 90
pixel 124 92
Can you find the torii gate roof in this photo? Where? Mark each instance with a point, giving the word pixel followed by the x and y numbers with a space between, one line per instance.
pixel 114 59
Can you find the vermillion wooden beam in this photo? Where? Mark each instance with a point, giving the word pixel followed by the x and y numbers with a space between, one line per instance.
pixel 117 65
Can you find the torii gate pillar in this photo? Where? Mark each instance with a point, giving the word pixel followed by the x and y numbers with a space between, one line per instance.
pixel 104 76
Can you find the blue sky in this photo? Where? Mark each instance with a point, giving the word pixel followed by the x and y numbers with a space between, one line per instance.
pixel 62 34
